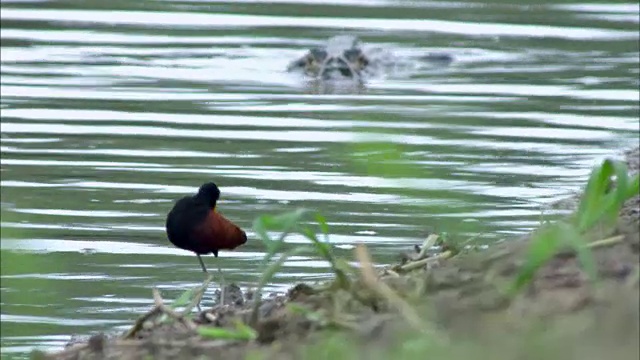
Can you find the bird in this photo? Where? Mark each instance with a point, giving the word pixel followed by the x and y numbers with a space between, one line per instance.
pixel 194 224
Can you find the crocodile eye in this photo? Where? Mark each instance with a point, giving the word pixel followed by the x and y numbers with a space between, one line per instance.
pixel 351 54
pixel 317 55
pixel 363 60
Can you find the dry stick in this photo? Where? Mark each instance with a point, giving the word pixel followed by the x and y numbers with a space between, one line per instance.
pixel 209 316
pixel 391 272
pixel 140 322
pixel 426 245
pixel 606 242
pixel 370 279
pixel 420 263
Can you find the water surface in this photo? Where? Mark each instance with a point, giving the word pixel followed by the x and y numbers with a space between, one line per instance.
pixel 111 110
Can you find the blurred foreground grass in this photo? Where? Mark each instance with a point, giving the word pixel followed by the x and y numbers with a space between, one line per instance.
pixel 608 188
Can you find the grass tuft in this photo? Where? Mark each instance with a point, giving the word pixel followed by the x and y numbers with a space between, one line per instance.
pixel 599 206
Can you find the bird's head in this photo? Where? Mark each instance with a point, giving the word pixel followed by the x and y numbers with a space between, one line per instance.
pixel 210 193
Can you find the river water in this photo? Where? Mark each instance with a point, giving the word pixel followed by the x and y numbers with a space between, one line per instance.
pixel 111 110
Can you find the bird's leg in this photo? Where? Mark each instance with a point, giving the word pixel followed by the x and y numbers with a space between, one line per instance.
pixel 204 269
pixel 222 282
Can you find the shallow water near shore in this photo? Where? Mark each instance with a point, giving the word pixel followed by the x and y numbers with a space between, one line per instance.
pixel 112 111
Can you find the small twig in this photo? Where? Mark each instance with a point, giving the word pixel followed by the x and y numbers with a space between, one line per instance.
pixel 370 279
pixel 140 322
pixel 606 242
pixel 421 263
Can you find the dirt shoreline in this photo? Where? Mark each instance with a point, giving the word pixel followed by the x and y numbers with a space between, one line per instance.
pixel 462 298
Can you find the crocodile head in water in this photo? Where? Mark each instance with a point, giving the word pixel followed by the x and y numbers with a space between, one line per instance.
pixel 342 57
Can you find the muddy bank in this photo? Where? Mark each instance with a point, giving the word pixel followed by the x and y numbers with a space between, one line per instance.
pixel 457 302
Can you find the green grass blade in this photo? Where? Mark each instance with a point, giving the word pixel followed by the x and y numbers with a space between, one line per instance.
pixel 272 269
pixel 324 227
pixel 572 238
pixel 323 249
pixel 285 223
pixel 622 184
pixel 634 187
pixel 592 197
pixel 185 298
pixel 545 245
pixel 599 204
pixel 269 272
pixel 260 227
pixel 542 248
